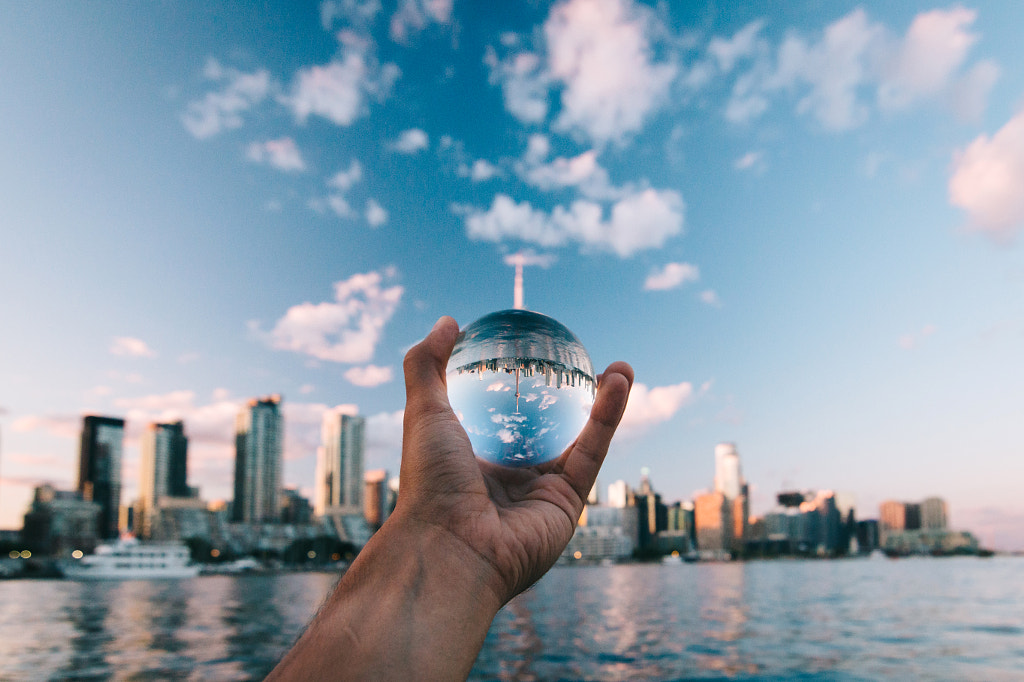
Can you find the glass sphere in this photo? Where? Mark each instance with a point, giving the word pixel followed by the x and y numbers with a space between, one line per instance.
pixel 522 385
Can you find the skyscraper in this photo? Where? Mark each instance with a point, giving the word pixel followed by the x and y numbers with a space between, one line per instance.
pixel 259 435
pixel 163 470
pixel 339 466
pixel 728 479
pixel 729 482
pixel 99 469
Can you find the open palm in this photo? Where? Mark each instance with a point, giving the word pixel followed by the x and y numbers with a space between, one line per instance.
pixel 516 521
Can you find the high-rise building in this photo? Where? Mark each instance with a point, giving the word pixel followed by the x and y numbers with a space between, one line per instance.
pixel 618 494
pixel 163 470
pixel 99 469
pixel 259 436
pixel 712 517
pixel 375 500
pixel 892 518
pixel 934 514
pixel 339 466
pixel 729 482
pixel 728 479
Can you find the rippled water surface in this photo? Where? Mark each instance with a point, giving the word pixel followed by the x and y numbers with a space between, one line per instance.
pixel 854 620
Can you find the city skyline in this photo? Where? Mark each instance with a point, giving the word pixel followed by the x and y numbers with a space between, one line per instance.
pixel 783 217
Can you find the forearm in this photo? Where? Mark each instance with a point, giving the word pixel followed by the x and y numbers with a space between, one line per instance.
pixel 413 605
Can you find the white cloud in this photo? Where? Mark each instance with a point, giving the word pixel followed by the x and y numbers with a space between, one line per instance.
pixel 710 297
pixel 642 220
pixel 282 154
pixel 376 215
pixel 129 346
pixel 600 51
pixel 647 407
pixel 344 330
pixel 749 160
pixel 931 53
pixel 369 375
pixel 834 69
pixel 727 52
pixel 411 141
pixel 598 54
pixel 582 172
pixel 223 109
pixel 987 180
pixel 355 12
pixel 338 91
pixel 671 276
pixel 344 179
pixel 412 16
pixel 482 170
pixel 340 206
pixel 834 76
pixel 524 83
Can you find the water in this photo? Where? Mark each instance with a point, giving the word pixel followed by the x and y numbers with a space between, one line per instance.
pixel 522 384
pixel 940 619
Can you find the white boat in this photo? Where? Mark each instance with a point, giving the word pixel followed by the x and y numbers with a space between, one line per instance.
pixel 129 559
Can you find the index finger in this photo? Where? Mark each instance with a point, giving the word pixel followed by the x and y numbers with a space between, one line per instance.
pixel 585 457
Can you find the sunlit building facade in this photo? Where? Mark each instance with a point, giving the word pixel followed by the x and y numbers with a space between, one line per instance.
pixel 99 469
pixel 163 471
pixel 259 437
pixel 339 466
pixel 712 517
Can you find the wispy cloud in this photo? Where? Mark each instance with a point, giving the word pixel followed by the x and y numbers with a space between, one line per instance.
pixel 650 406
pixel 132 347
pixel 223 109
pixel 671 276
pixel 412 16
pixel 834 74
pixel 709 297
pixel 369 375
pixel 987 179
pixel 339 90
pixel 643 220
pixel 411 141
pixel 375 214
pixel 599 55
pixel 346 329
pixel 281 153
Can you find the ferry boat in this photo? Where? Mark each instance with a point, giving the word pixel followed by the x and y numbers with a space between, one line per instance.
pixel 129 559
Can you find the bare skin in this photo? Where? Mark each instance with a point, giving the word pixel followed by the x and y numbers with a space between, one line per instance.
pixel 466 537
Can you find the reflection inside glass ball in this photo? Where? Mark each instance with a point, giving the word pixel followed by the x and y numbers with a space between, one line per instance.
pixel 522 385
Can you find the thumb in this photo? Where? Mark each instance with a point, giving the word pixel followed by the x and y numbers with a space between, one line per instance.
pixel 425 365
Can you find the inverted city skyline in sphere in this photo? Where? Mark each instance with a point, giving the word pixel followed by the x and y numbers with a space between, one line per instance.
pixel 522 385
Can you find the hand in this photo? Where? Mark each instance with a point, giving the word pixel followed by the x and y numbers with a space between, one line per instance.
pixel 513 522
pixel 466 537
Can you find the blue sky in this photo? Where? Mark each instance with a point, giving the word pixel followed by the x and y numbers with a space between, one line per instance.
pixel 798 221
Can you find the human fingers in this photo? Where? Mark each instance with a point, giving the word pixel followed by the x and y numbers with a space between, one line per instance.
pixel 425 365
pixel 586 455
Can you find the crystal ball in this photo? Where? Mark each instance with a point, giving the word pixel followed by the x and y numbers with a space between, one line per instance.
pixel 522 385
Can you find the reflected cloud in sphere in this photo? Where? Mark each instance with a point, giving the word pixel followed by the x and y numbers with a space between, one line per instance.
pixel 522 385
